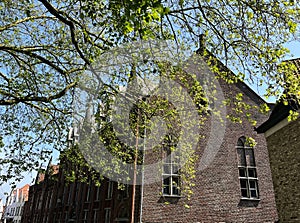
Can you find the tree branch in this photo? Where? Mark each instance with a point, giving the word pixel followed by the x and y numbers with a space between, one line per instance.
pixel 68 22
pixel 2 28
pixel 28 52
pixel 4 77
pixel 30 98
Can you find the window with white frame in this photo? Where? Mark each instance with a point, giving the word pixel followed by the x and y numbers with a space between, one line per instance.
pixel 98 193
pixel 107 215
pixel 85 216
pixel 110 187
pixel 66 217
pixel 95 215
pixel 171 176
pixel 88 191
pixel 247 170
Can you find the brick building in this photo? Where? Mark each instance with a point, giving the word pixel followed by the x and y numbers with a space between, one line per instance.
pixel 15 204
pixel 236 186
pixel 53 199
pixel 283 141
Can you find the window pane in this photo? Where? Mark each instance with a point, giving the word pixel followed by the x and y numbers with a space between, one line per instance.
pixel 244 192
pixel 109 189
pixel 252 172
pixel 175 191
pixel 175 185
pixel 98 193
pixel 175 169
pixel 167 168
pixel 241 157
pixel 176 181
pixel 88 194
pixel 167 155
pixel 107 215
pixel 175 158
pixel 241 141
pixel 95 216
pixel 166 186
pixel 244 184
pixel 242 172
pixel 253 193
pixel 252 184
pixel 250 157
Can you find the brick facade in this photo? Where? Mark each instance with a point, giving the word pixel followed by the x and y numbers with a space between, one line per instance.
pixel 54 200
pixel 216 194
pixel 283 146
pixel 284 150
pixel 283 142
pixel 15 204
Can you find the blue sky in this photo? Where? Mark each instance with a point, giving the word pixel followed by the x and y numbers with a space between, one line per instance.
pixel 294 47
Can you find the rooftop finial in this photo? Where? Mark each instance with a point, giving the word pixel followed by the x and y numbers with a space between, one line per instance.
pixel 202 44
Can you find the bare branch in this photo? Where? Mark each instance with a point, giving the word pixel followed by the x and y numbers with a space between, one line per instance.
pixel 28 52
pixel 30 98
pixel 4 77
pixel 2 28
pixel 68 22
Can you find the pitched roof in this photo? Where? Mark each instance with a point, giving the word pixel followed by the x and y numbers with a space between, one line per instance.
pixel 281 111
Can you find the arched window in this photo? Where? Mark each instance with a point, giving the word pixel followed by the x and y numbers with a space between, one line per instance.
pixel 247 170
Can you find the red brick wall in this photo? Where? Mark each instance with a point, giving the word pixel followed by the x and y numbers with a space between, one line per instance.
pixel 51 200
pixel 216 196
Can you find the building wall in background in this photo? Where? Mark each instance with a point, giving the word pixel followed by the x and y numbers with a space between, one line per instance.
pixel 284 150
pixel 15 204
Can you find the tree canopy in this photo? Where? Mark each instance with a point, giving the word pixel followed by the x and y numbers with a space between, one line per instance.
pixel 47 46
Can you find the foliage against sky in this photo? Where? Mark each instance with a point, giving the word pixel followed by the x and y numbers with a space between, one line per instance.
pixel 45 46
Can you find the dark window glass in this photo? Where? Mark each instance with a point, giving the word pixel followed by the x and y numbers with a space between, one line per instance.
pixel 244 184
pixel 175 185
pixel 249 157
pixel 242 172
pixel 252 184
pixel 253 194
pixel 244 192
pixel 166 189
pixel 251 172
pixel 241 157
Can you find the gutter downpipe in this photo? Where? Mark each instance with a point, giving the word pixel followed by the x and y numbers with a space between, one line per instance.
pixel 143 176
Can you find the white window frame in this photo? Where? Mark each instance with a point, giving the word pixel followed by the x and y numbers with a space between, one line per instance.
pixel 170 176
pixel 88 193
pixel 110 188
pixel 85 215
pixel 98 193
pixel 244 177
pixel 107 215
pixel 95 215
